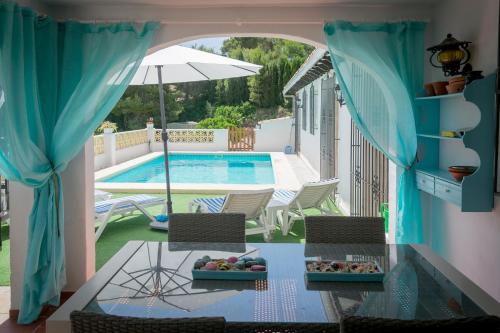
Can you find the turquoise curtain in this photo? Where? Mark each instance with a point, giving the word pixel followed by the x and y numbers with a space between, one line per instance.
pixel 58 82
pixel 379 67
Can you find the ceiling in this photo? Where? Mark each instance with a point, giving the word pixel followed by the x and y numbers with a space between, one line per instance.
pixel 215 3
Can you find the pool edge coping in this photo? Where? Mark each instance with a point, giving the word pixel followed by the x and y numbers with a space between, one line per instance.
pixel 284 176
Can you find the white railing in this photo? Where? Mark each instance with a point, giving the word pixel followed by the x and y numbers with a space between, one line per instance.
pixel 112 148
pixel 99 144
pixel 187 136
pixel 131 138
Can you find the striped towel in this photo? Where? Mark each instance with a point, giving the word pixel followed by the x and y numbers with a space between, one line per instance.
pixel 285 196
pixel 214 205
pixel 102 207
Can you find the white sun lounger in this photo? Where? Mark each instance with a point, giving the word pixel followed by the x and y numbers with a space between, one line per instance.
pixel 101 195
pixel 251 203
pixel 319 195
pixel 124 206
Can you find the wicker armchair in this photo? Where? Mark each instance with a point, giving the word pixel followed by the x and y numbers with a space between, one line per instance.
pixel 207 228
pixel 232 327
pixel 86 322
pixel 487 324
pixel 345 230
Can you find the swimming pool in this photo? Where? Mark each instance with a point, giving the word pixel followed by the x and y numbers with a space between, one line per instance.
pixel 202 168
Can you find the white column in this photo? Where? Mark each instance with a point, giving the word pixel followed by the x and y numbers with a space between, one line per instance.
pixel 151 134
pixel 78 188
pixel 109 147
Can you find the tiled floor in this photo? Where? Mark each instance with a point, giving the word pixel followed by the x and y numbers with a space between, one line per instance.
pixel 10 326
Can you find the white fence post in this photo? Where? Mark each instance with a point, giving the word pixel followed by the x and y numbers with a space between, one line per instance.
pixel 151 134
pixel 109 147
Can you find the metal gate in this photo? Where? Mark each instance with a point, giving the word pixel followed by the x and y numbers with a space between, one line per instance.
pixel 328 130
pixel 369 176
pixel 241 139
pixel 4 203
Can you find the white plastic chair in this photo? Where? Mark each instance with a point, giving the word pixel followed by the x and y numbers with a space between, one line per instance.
pixel 251 203
pixel 319 195
pixel 124 206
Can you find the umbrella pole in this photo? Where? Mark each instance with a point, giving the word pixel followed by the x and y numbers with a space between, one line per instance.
pixel 164 138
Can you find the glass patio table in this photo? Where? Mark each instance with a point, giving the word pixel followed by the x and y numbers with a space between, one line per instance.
pixel 155 281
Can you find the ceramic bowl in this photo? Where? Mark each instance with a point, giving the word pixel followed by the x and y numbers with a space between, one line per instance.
pixel 460 171
pixel 440 87
pixel 454 88
pixel 429 89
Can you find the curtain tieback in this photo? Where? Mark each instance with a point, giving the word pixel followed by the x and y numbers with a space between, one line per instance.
pixel 415 161
pixel 56 195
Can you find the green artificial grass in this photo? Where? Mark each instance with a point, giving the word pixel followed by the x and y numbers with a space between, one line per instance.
pixel 5 257
pixel 136 227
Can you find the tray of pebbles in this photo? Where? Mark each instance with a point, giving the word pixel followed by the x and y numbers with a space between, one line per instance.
pixel 232 268
pixel 343 271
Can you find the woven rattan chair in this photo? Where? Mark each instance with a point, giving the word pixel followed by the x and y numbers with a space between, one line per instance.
pixel 487 324
pixel 345 230
pixel 207 228
pixel 259 327
pixel 86 322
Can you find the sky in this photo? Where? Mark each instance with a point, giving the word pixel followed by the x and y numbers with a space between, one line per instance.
pixel 214 43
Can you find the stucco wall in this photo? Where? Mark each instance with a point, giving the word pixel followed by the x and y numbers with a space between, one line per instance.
pixel 469 241
pixel 310 143
pixel 344 160
pixel 310 149
pixel 274 134
pixel 129 153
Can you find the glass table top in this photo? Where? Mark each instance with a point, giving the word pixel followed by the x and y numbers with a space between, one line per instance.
pixel 156 282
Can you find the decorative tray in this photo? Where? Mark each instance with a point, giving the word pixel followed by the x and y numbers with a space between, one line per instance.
pixel 232 268
pixel 344 271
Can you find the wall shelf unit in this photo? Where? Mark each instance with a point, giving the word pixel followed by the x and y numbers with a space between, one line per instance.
pixel 435 152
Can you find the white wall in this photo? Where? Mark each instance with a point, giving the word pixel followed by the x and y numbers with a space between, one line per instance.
pixel 310 149
pixel 310 143
pixel 274 134
pixel 131 152
pixel 344 161
pixel 469 241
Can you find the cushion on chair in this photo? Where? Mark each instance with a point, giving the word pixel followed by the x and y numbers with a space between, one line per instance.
pixel 214 205
pixel 285 196
pixel 104 206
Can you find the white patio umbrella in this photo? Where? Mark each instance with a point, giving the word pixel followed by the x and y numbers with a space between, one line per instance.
pixel 178 64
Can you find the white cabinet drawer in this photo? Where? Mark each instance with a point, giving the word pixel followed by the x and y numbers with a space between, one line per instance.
pixel 425 182
pixel 449 192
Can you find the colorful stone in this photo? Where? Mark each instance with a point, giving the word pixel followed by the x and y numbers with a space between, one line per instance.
pixel 250 263
pixel 206 258
pixel 240 264
pixel 232 260
pixel 223 267
pixel 260 261
pixel 258 268
pixel 211 266
pixel 199 264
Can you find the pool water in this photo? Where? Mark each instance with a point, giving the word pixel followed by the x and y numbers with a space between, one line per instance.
pixel 202 168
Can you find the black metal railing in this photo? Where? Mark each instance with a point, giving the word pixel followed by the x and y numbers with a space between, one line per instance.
pixel 369 176
pixel 4 203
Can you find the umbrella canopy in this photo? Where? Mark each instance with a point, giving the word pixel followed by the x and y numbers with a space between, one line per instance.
pixel 182 64
pixel 178 64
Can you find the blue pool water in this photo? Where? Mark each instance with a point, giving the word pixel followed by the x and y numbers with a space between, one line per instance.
pixel 202 168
